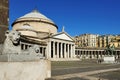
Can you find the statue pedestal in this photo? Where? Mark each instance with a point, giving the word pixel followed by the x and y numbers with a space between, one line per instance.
pixel 36 70
pixel 109 59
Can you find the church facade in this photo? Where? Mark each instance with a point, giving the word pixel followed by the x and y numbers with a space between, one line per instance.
pixel 35 28
pixel 61 47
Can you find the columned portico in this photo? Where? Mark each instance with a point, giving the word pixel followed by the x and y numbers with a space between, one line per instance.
pixel 61 47
pixel 61 50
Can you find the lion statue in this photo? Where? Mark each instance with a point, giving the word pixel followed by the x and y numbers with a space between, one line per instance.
pixel 11 43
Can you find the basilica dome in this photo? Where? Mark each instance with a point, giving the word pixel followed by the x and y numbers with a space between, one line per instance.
pixel 39 22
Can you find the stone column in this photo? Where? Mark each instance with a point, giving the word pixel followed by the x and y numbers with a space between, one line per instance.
pixel 68 51
pixel 61 51
pixel 91 54
pixel 57 50
pixel 49 50
pixel 82 53
pixel 88 54
pixel 64 50
pixel 71 51
pixel 98 54
pixel 85 53
pixel 54 50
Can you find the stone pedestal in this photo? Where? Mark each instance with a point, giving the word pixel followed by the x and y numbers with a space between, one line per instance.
pixel 36 70
pixel 109 59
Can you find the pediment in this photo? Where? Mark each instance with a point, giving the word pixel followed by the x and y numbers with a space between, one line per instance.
pixel 63 36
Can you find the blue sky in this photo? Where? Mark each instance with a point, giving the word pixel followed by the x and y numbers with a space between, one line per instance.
pixel 78 16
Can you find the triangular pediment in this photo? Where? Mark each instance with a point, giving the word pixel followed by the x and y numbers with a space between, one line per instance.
pixel 63 36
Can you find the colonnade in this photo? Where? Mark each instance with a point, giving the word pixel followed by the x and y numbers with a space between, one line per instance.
pixel 62 50
pixel 94 54
pixel 25 46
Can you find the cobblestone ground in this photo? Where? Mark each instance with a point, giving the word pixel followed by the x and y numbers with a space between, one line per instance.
pixel 76 67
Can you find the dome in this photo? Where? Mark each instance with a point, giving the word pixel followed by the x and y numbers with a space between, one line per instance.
pixel 37 22
pixel 36 14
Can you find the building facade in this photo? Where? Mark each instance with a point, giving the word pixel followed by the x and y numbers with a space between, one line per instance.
pixel 61 47
pixel 90 46
pixel 116 41
pixel 86 40
pixel 104 40
pixel 96 41
pixel 34 26
pixel 4 9
pixel 95 53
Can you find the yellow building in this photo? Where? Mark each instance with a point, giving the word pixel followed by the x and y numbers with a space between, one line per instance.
pixel 86 40
pixel 104 40
pixel 116 41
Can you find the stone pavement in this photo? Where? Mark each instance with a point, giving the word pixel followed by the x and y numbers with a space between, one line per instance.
pixel 73 70
pixel 83 75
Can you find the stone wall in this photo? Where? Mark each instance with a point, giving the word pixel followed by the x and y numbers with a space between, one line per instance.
pixel 4 11
pixel 2 34
pixel 38 70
